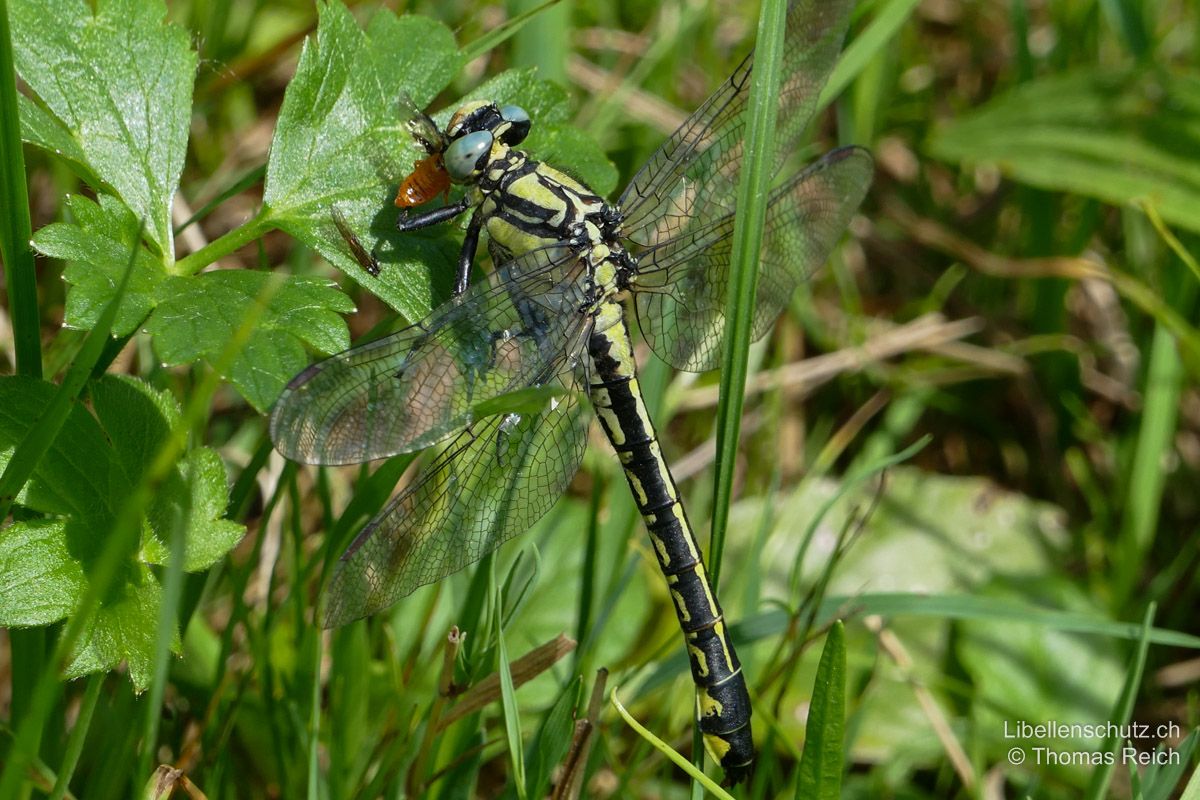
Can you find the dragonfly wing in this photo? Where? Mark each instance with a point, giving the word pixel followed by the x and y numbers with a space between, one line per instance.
pixel 420 385
pixel 693 177
pixel 683 283
pixel 491 483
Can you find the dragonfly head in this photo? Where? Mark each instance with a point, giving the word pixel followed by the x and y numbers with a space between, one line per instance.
pixel 480 132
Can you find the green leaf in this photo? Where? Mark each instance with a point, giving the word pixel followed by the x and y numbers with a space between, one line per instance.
pixel 1114 136
pixel 340 140
pixel 546 103
pixel 508 701
pixel 84 479
pixel 938 540
pixel 78 476
pixel 123 630
pixel 138 420
pixel 552 740
pixel 197 317
pixel 820 770
pixel 120 82
pixel 96 246
pixel 42 580
pixel 192 317
pixel 43 129
pixel 208 537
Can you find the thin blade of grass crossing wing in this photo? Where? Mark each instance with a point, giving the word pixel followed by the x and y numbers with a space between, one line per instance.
pixel 682 284
pixel 490 484
pixel 694 173
pixel 418 386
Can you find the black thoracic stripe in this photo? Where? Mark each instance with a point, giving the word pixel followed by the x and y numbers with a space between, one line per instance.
pixel 723 703
pixel 513 171
pixel 528 207
pixel 531 227
pixel 560 191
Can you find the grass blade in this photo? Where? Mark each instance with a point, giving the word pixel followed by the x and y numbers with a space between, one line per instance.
pixel 820 770
pixel 666 750
pixel 1155 443
pixel 865 47
pixel 756 176
pixel 1124 709
pixel 508 699
pixel 15 229
pixel 78 735
pixel 495 37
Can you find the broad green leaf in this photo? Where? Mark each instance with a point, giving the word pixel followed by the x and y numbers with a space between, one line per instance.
pixel 42 128
pixel 197 317
pixel 78 477
pixel 193 317
pixel 119 81
pixel 1114 136
pixel 340 140
pixel 42 579
pixel 138 420
pixel 123 630
pixel 820 770
pixel 96 245
pixel 546 103
pixel 930 533
pixel 82 481
pixel 208 537
pixel 416 54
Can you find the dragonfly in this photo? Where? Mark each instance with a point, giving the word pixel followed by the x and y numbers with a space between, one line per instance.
pixel 499 371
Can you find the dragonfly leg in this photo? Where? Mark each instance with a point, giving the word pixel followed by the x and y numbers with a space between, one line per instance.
pixel 411 222
pixel 466 256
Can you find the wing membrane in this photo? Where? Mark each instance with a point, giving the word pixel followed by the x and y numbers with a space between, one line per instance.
pixel 682 284
pixel 420 385
pixel 490 484
pixel 693 177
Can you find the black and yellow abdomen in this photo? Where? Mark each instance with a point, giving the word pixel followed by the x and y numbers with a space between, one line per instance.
pixel 722 701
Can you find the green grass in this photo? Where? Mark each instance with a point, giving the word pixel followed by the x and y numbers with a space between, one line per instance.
pixel 1005 525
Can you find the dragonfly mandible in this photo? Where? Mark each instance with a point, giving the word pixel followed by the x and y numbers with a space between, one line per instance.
pixel 551 317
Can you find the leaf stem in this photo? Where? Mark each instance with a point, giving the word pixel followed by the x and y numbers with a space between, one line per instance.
pixel 231 242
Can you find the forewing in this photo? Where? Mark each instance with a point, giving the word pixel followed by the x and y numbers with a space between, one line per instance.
pixel 422 384
pixel 491 483
pixel 683 283
pixel 692 179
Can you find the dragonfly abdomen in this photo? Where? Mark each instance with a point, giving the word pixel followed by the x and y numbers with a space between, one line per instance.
pixel 722 700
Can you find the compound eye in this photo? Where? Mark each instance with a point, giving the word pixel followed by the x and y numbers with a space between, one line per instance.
pixel 519 123
pixel 466 156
